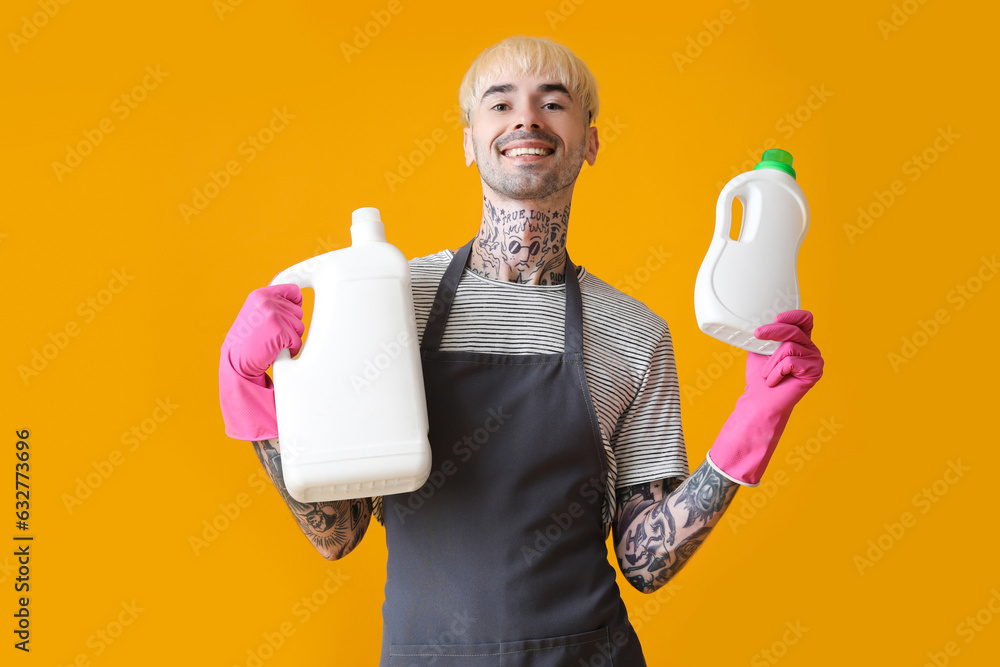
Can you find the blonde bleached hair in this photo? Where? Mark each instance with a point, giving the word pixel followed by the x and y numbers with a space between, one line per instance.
pixel 528 56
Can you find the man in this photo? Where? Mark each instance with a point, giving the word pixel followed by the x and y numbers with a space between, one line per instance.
pixel 553 408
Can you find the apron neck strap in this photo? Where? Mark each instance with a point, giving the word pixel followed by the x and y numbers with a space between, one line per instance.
pixel 441 308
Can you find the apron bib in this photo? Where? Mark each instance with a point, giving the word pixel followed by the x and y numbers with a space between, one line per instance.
pixel 500 559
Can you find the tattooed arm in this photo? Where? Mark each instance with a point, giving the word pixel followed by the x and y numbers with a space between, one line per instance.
pixel 333 527
pixel 659 525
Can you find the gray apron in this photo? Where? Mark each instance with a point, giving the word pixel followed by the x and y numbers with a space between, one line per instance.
pixel 500 558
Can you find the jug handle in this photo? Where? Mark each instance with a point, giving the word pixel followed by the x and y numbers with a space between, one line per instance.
pixel 300 274
pixel 724 212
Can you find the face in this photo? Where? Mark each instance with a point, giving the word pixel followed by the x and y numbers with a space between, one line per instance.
pixel 537 111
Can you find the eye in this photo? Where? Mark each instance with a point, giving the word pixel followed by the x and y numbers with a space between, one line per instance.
pixel 498 104
pixel 554 104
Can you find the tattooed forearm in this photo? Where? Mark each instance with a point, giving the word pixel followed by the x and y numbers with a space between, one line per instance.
pixel 334 527
pixel 661 524
pixel 704 495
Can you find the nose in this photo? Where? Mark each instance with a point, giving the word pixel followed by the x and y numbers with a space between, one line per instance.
pixel 527 118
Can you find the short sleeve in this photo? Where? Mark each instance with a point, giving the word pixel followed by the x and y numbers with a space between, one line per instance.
pixel 648 439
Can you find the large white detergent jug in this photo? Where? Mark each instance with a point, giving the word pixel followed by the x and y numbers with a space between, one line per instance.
pixel 743 284
pixel 352 415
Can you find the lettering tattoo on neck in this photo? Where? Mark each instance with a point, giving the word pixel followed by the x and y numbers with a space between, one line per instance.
pixel 521 244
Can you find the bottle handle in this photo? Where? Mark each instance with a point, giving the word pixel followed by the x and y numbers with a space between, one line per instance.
pixel 300 274
pixel 724 211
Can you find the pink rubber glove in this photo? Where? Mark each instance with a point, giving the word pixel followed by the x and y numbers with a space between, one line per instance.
pixel 774 385
pixel 270 320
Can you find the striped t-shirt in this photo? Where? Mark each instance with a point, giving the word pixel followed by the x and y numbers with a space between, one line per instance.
pixel 628 358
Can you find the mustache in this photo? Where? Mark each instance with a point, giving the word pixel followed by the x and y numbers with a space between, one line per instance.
pixel 544 137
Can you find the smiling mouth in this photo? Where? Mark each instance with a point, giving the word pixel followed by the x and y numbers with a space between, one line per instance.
pixel 527 151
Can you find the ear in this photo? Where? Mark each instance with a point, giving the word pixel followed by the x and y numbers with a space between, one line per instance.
pixel 592 145
pixel 470 155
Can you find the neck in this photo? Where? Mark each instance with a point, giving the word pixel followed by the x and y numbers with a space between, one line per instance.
pixel 522 241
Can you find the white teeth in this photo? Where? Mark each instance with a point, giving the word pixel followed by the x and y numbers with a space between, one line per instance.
pixel 527 150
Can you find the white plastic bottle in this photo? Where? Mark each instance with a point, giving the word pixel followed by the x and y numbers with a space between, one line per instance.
pixel 352 415
pixel 743 284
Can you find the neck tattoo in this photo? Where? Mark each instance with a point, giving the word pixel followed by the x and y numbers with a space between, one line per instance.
pixel 521 245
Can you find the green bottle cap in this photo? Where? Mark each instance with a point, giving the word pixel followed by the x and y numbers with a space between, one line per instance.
pixel 775 158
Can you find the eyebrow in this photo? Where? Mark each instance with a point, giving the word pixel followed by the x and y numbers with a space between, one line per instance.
pixel 505 88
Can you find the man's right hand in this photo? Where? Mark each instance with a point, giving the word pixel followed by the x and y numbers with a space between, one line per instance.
pixel 775 384
pixel 270 321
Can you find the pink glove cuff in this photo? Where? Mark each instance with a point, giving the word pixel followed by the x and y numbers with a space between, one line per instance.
pixel 247 404
pixel 746 443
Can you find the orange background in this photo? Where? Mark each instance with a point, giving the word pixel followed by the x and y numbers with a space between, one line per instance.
pixel 894 76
